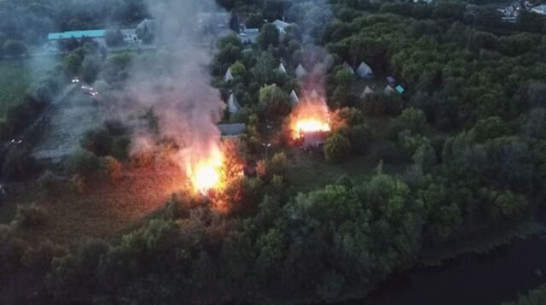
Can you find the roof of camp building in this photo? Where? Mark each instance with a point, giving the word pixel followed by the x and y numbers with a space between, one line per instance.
pixel 294 99
pixel 366 91
pixel 541 9
pixel 233 104
pixel 300 71
pixel 232 129
pixel 282 68
pixel 77 34
pixel 400 89
pixel 281 24
pixel 228 76
pixel 363 68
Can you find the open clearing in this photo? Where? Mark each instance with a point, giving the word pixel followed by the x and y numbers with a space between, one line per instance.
pixel 102 211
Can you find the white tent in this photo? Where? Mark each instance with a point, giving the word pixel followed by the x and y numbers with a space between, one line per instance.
pixel 348 67
pixel 233 104
pixel 388 90
pixel 314 95
pixel 364 70
pixel 367 91
pixel 282 69
pixel 294 99
pixel 300 71
pixel 228 76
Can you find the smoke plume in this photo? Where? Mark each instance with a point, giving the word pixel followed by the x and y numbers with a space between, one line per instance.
pixel 175 82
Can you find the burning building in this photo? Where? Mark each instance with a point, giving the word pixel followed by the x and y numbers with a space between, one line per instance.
pixel 310 122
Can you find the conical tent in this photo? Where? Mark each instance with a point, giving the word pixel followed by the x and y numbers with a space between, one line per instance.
pixel 367 91
pixel 348 67
pixel 294 99
pixel 282 69
pixel 233 104
pixel 388 90
pixel 300 71
pixel 228 76
pixel 364 70
pixel 314 94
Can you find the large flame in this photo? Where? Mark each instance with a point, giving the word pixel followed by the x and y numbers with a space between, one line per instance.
pixel 206 173
pixel 310 116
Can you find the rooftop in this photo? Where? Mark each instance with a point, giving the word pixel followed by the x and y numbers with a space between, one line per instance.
pixel 77 34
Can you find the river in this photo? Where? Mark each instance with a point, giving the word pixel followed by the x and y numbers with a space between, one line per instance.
pixel 471 279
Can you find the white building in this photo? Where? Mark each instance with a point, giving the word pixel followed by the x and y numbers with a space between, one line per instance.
pixel 541 9
pixel 281 26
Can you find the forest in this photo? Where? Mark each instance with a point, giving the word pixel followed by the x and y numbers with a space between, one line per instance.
pixel 459 158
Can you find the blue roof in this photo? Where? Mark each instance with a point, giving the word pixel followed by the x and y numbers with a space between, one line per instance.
pixel 77 34
pixel 400 89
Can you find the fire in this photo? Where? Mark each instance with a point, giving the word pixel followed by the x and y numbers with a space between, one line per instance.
pixel 310 125
pixel 206 174
pixel 310 116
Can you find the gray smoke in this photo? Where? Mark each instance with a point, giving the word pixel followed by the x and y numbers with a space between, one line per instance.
pixel 175 82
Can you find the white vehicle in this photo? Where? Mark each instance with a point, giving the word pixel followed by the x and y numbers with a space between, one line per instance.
pixel 75 80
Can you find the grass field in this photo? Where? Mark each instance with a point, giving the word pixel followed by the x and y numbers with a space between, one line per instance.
pixel 103 211
pixel 14 81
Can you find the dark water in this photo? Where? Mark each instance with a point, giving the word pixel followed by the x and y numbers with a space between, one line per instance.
pixel 473 279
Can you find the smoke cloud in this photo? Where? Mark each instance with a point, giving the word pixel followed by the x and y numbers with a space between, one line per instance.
pixel 175 82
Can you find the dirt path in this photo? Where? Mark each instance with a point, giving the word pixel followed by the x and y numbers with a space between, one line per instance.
pixel 67 122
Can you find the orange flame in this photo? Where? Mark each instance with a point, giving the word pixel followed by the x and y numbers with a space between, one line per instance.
pixel 206 173
pixel 310 116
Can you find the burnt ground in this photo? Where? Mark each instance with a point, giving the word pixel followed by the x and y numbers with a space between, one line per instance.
pixel 66 123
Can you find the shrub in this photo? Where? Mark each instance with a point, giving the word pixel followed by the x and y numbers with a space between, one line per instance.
pixel 18 165
pixel 42 255
pixel 336 148
pixel 278 163
pixel 83 163
pixel 111 168
pixel 50 182
pixel 29 216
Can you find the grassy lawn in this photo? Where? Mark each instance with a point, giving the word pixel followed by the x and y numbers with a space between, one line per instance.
pixel 14 81
pixel 308 171
pixel 104 210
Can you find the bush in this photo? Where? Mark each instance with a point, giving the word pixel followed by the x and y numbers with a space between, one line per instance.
pixel 40 257
pixel 111 168
pixel 29 216
pixel 18 165
pixel 50 182
pixel 336 148
pixel 278 163
pixel 360 137
pixel 14 47
pixel 83 163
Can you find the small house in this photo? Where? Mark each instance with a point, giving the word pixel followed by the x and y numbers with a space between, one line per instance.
pixel 300 71
pixel 281 26
pixel 400 89
pixel 233 104
pixel 391 80
pixel 388 90
pixel 99 36
pixel 294 99
pixel 364 71
pixel 367 91
pixel 232 130
pixel 282 69
pixel 228 76
pixel 348 67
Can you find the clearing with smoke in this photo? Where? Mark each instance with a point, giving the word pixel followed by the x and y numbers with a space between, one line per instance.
pixel 272 152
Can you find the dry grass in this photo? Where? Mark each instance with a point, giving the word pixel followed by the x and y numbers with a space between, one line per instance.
pixel 104 209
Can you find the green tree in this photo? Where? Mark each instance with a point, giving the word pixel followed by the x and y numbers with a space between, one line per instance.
pixel 14 47
pixel 336 148
pixel 269 35
pixel 273 101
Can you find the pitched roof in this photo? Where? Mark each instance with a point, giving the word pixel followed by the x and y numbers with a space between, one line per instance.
pixel 367 91
pixel 232 129
pixel 348 67
pixel 233 104
pixel 300 71
pixel 294 99
pixel 77 34
pixel 400 89
pixel 388 90
pixel 282 69
pixel 228 76
pixel 314 94
pixel 281 25
pixel 364 70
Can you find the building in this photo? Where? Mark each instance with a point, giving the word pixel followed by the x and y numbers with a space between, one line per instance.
pixel 364 70
pixel 281 26
pixel 282 69
pixel 348 67
pixel 232 130
pixel 314 140
pixel 228 76
pixel 248 36
pixel 130 36
pixel 300 71
pixel 388 90
pixel 233 104
pixel 367 91
pixel 294 99
pixel 98 36
pixel 541 9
